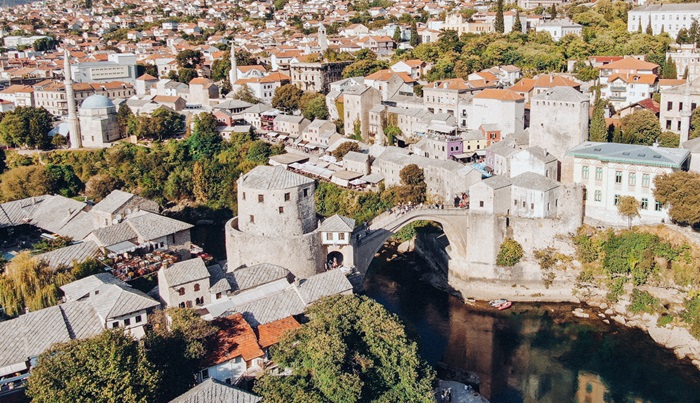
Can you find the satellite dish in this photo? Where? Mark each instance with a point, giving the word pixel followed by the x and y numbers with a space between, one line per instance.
pixel 128 211
pixel 115 221
pixel 118 217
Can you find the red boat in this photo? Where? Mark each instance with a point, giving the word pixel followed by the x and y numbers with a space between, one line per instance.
pixel 500 304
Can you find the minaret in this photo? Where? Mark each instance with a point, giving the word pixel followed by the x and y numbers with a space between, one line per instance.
pixel 322 40
pixel 233 73
pixel 73 123
pixel 686 114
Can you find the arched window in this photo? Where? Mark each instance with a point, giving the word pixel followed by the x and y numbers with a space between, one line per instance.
pixel 196 287
pixel 181 291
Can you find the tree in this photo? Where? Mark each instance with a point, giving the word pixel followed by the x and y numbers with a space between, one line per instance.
pixel 44 44
pixel 189 58
pixel 397 35
pixel 313 106
pixel 22 182
pixel 29 283
pixel 499 25
pixel 669 70
pixel 509 253
pixel 245 94
pixel 641 127
pixel 287 98
pixel 2 160
pixel 88 4
pixel 553 11
pixel 100 185
pixel 124 115
pixel 628 207
pixel 391 132
pixel 598 129
pixel 412 175
pixel 352 350
pixel 649 30
pixel 681 190
pixel 205 141
pixel 221 67
pixel 185 75
pixel 166 123
pixel 413 189
pixel 414 34
pixel 26 127
pixel 364 67
pixel 109 367
pixel 63 180
pixel 517 24
pixel 345 148
pixel 669 139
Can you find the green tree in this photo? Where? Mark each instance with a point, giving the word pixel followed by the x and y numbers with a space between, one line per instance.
pixel 259 152
pixel 413 188
pixel 517 24
pixel 641 127
pixel 2 161
pixel 391 132
pixel 509 253
pixel 414 34
pixel 221 67
pixel 63 180
pixel 694 124
pixel 598 129
pixel 44 44
pixel 669 139
pixel 352 350
pixel 205 141
pixel 27 127
pixel 245 94
pixel 628 207
pixel 23 182
pixel 28 283
pixel 287 97
pixel 680 190
pixel 669 70
pixel 110 367
pixel 397 35
pixel 345 148
pixel 185 75
pixel 499 25
pixel 166 123
pixel 553 11
pixel 124 115
pixel 313 106
pixel 189 59
pixel 649 30
pixel 364 67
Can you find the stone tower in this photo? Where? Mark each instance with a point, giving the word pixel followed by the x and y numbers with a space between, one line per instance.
pixel 322 40
pixel 233 73
pixel 276 222
pixel 73 123
pixel 559 122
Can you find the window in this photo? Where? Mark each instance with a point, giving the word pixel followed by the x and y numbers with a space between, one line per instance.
pixel 645 180
pixel 181 291
pixel 523 204
pixel 127 322
pixel 584 172
pixel 306 192
pixel 658 206
pixel 481 203
pixel 196 287
pixel 669 106
pixel 668 125
pixel 261 198
pixel 645 203
pixel 632 179
pixel 218 295
pixel 287 197
pixel 205 373
pixel 329 236
pixel 281 210
pixel 115 325
pixel 137 319
pixel 188 304
pixel 252 219
pixel 515 203
pixel 617 199
pixel 618 177
pixel 341 236
pixel 532 206
pixel 680 106
pixel 599 174
pixel 243 194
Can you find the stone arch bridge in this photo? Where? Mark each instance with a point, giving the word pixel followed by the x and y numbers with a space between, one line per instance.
pixel 474 238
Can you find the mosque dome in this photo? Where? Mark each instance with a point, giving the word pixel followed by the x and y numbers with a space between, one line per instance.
pixel 97 102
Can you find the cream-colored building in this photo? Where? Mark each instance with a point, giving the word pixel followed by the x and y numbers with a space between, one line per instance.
pixel 676 107
pixel 184 284
pixel 611 170
pixel 357 102
pixel 316 76
pixel 98 122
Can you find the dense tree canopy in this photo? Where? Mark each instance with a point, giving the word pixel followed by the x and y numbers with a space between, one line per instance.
pixel 352 350
pixel 245 94
pixel 110 367
pixel 641 127
pixel 26 127
pixel 189 58
pixel 681 190
pixel 313 106
pixel 287 98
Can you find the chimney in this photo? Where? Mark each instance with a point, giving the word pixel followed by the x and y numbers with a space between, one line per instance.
pixel 551 78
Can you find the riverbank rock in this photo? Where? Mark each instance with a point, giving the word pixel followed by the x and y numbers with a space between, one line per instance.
pixel 406 247
pixel 609 312
pixel 579 313
pixel 619 319
pixel 458 393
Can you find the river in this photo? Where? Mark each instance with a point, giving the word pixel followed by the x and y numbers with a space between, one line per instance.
pixel 532 352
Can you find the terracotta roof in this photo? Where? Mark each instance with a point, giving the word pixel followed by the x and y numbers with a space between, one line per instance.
pixel 524 85
pixel 460 84
pixel 634 78
pixel 200 80
pixel 245 69
pixel 385 75
pixel 165 98
pixel 630 63
pixel 670 82
pixel 271 333
pixel 487 75
pixel 554 80
pixel 650 104
pixel 414 62
pixel 501 95
pixel 274 77
pixel 235 338
pixel 146 77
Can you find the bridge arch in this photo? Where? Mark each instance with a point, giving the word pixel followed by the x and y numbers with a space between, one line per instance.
pixel 454 224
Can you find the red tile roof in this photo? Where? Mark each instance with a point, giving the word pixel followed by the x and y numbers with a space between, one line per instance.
pixel 271 333
pixel 235 338
pixel 502 95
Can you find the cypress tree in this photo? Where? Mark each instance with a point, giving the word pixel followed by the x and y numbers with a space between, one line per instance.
pixel 669 70
pixel 639 27
pixel 650 30
pixel 517 25
pixel 598 131
pixel 685 73
pixel 553 11
pixel 414 34
pixel 397 35
pixel 499 25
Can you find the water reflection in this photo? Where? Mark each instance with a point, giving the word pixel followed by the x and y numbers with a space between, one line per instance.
pixel 532 353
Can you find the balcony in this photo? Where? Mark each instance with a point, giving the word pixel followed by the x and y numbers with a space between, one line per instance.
pixel 617 98
pixel 618 89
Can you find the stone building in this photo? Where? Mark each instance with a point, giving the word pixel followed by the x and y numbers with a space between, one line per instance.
pixel 184 284
pixel 559 122
pixel 357 102
pixel 676 108
pixel 202 91
pixel 98 122
pixel 504 108
pixel 290 125
pixel 611 170
pixel 685 56
pixel 52 95
pixel 336 238
pixel 276 222
pixel 316 76
pixel 119 205
pixel 527 195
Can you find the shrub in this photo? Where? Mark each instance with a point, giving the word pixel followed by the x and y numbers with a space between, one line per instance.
pixel 642 301
pixel 510 253
pixel 664 320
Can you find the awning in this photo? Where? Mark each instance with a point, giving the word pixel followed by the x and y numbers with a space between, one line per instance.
pixel 357 182
pixel 272 134
pixel 462 156
pixel 122 247
pixel 282 137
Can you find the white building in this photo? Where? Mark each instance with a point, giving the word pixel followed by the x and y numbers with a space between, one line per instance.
pixel 627 89
pixel 676 108
pixel 611 170
pixel 669 18
pixel 685 56
pixel 119 66
pixel 98 122
pixel 495 106
pixel 528 195
pixel 560 28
